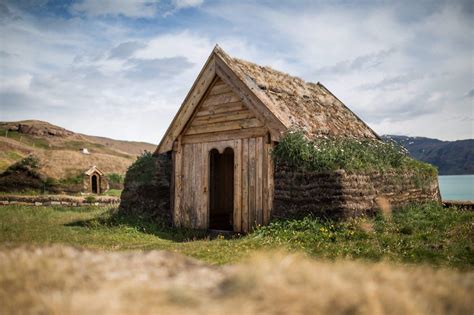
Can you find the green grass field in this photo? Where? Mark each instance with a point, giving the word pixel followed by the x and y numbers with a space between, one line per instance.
pixel 425 234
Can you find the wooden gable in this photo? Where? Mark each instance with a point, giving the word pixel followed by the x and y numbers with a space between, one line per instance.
pixel 218 75
pixel 221 110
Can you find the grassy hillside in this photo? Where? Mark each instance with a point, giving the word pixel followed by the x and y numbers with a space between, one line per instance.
pixel 451 157
pixel 59 149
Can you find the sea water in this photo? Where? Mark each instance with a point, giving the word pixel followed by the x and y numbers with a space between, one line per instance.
pixel 456 187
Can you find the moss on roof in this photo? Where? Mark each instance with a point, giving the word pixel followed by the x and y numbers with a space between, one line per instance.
pixel 307 106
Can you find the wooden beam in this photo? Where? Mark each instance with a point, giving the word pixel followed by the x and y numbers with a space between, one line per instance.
pixel 238 185
pixel 252 184
pixel 225 126
pixel 265 194
pixel 259 180
pixel 231 116
pixel 271 185
pixel 223 136
pixel 229 107
pixel 178 186
pixel 225 98
pixel 220 88
pixel 205 186
pixel 245 188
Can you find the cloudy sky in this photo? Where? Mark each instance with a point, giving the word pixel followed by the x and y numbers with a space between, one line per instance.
pixel 121 68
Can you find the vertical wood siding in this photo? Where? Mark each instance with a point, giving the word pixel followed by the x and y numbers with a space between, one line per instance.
pixel 252 183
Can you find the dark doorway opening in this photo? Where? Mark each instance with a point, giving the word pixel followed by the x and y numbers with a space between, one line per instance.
pixel 94 184
pixel 221 189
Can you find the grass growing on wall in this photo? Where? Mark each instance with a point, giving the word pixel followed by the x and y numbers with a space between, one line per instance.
pixel 115 178
pixel 325 154
pixel 143 169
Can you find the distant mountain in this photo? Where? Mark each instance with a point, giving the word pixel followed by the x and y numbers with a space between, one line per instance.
pixel 451 157
pixel 64 153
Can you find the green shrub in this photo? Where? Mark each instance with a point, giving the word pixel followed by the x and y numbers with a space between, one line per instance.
pixel 115 178
pixel 73 180
pixel 90 199
pixel 25 175
pixel 329 154
pixel 29 163
pixel 143 169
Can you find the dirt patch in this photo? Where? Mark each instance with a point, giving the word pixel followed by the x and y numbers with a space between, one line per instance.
pixel 65 280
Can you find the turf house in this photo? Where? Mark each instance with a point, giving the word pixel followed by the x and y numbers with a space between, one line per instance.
pixel 220 163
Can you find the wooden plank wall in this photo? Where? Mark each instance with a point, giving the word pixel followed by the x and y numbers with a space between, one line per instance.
pixel 221 110
pixel 191 194
pixel 253 180
pixel 222 120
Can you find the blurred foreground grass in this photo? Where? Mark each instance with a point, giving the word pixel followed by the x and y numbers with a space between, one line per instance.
pixel 64 280
pixel 426 234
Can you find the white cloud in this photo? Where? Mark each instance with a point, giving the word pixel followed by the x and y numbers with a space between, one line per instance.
pixel 16 84
pixel 125 49
pixel 182 4
pixel 129 8
pixel 193 46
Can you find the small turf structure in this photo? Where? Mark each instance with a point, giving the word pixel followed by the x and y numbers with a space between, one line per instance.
pixel 250 144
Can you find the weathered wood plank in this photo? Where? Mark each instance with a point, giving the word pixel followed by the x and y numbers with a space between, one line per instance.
pixel 220 88
pixel 238 185
pixel 224 126
pixel 265 183
pixel 271 186
pixel 245 188
pixel 230 116
pixel 252 180
pixel 172 183
pixel 205 186
pixel 197 184
pixel 185 190
pixel 224 108
pixel 259 180
pixel 178 176
pixel 219 99
pixel 190 187
pixel 223 136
